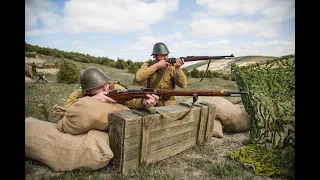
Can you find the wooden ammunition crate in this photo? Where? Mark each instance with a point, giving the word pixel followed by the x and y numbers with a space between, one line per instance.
pixel 138 139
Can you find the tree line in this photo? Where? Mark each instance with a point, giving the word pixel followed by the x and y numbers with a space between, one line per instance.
pixel 132 67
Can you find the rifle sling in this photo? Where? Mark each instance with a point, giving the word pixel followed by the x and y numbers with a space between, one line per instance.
pixel 169 117
pixel 158 78
pixel 205 73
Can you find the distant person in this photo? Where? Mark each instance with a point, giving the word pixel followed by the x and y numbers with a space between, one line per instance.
pixel 34 69
pixel 162 75
pixel 56 63
pixel 95 83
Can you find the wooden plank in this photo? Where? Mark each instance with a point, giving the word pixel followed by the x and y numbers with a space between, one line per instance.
pixel 163 123
pixel 116 130
pixel 129 116
pixel 171 150
pixel 156 145
pixel 172 131
pixel 159 155
pixel 146 122
pixel 132 142
pixel 133 152
pixel 134 129
pixel 201 125
pixel 130 165
pixel 209 127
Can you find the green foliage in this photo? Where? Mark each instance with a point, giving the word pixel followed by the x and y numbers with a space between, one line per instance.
pixel 58 55
pixel 85 60
pixel 271 106
pixel 29 48
pixel 121 64
pixel 195 73
pixel 233 78
pixel 226 76
pixel 215 74
pixel 132 69
pixel 202 73
pixel 129 62
pixel 209 74
pixel 68 72
pixel 80 57
pixel 264 162
pixel 186 72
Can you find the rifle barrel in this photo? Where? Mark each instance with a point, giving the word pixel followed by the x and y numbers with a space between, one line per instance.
pixel 163 92
pixel 192 58
pixel 197 58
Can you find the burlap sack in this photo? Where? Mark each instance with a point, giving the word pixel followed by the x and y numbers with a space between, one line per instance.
pixel 217 129
pixel 235 100
pixel 65 152
pixel 231 117
pixel 87 113
pixel 59 111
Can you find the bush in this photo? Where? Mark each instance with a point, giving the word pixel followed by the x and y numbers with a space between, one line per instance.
pixel 209 74
pixel 58 55
pixel 233 78
pixel 202 73
pixel 226 76
pixel 68 72
pixel 133 68
pixel 186 72
pixel 195 73
pixel 121 64
pixel 215 74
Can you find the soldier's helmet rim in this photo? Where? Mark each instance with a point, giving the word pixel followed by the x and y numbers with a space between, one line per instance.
pixel 160 48
pixel 92 78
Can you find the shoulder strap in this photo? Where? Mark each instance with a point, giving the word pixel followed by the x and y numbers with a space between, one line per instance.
pixel 158 78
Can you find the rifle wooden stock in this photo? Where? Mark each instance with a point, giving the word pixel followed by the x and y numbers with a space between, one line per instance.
pixel 192 58
pixel 121 96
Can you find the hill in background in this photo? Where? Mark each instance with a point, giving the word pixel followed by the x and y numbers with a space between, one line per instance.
pixel 225 64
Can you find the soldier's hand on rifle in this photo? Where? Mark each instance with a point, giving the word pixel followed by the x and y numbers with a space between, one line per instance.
pixel 102 97
pixel 150 101
pixel 179 62
pixel 162 64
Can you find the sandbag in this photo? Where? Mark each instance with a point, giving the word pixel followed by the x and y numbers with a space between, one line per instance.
pixel 87 113
pixel 65 152
pixel 235 100
pixel 217 129
pixel 231 116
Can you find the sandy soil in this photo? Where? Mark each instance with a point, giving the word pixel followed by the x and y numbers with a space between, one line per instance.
pixel 48 71
pixel 35 60
pixel 216 65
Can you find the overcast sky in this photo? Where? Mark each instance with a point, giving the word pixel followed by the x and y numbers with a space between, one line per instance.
pixel 130 28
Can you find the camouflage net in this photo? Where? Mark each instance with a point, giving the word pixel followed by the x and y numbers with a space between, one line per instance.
pixel 270 102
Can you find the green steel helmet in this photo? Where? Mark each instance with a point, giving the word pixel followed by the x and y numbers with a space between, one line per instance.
pixel 160 48
pixel 91 78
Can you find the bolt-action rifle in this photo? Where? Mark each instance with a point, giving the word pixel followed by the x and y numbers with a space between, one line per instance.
pixel 194 58
pixel 120 96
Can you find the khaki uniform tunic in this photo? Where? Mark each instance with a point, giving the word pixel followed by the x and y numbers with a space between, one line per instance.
pixel 149 74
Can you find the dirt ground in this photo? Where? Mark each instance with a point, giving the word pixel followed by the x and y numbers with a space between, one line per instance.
pixel 48 71
pixel 35 60
pixel 216 65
